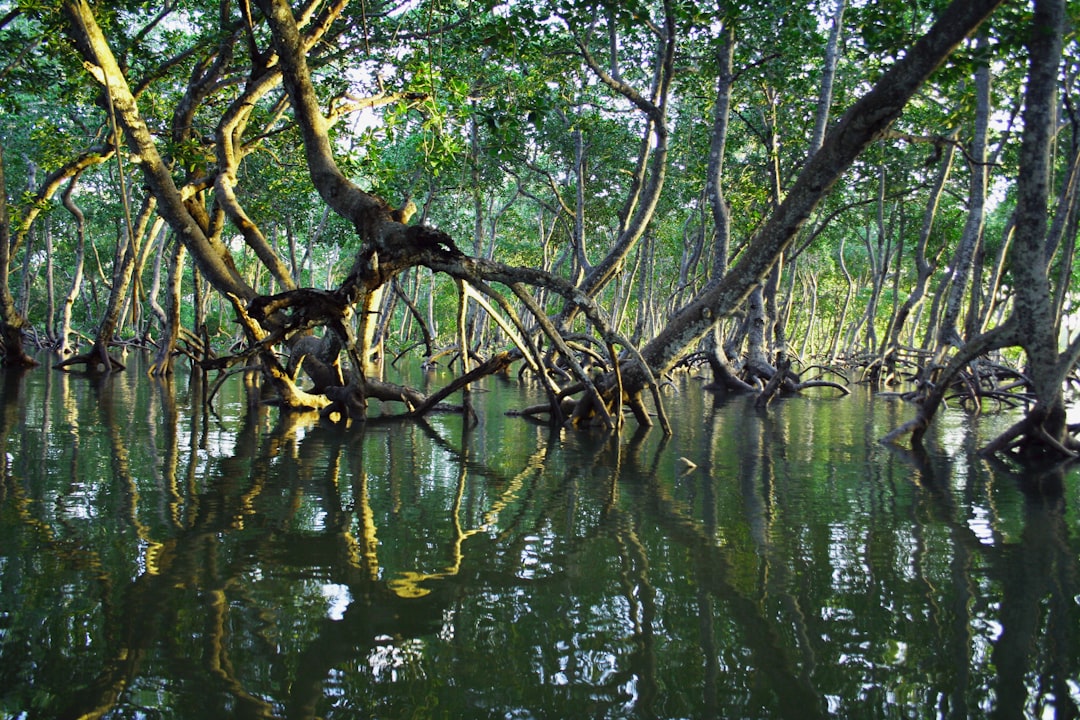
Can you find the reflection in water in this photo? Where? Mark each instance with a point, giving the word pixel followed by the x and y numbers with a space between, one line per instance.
pixel 161 560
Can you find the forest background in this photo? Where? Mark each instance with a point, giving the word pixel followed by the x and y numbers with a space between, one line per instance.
pixel 597 193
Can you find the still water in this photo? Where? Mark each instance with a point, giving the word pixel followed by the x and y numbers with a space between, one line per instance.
pixel 161 561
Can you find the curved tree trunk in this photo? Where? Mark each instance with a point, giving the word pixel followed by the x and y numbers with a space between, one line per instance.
pixel 12 322
pixel 724 375
pixel 207 248
pixel 97 359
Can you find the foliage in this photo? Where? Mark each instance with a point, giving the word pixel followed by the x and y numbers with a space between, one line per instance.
pixel 473 109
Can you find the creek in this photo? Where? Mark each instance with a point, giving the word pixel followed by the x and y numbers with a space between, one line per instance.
pixel 161 561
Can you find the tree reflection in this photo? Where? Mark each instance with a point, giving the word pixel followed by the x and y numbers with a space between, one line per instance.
pixel 223 564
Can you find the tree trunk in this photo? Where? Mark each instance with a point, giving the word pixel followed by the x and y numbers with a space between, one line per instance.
pixel 50 287
pixel 1033 302
pixel 1063 230
pixel 170 331
pixel 208 250
pixel 992 306
pixel 11 322
pixel 651 170
pixel 582 265
pixel 810 293
pixel 923 268
pixel 834 348
pixel 828 75
pixel 65 346
pixel 1043 429
pixel 127 250
pixel 861 125
pixel 714 189
pixel 757 357
pixel 724 376
pixel 962 261
pixel 881 258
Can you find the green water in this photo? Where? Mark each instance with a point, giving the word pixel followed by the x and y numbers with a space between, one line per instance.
pixel 157 561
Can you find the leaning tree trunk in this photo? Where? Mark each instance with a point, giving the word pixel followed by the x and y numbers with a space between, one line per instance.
pixel 208 250
pixel 860 126
pixel 651 170
pixel 828 76
pixel 993 307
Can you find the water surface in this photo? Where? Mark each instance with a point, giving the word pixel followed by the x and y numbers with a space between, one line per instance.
pixel 161 561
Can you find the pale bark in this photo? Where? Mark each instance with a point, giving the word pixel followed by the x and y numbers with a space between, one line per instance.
pixel 828 76
pixel 923 268
pixel 714 189
pixel 578 238
pixel 962 261
pixel 368 213
pixel 1063 233
pixel 170 330
pixel 65 346
pixel 11 321
pixel 123 279
pixel 230 150
pixel 994 305
pixel 50 286
pixel 724 376
pixel 879 252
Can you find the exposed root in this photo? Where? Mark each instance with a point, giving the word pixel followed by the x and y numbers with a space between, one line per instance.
pixel 96 361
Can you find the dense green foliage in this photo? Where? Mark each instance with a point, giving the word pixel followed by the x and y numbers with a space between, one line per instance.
pixel 558 135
